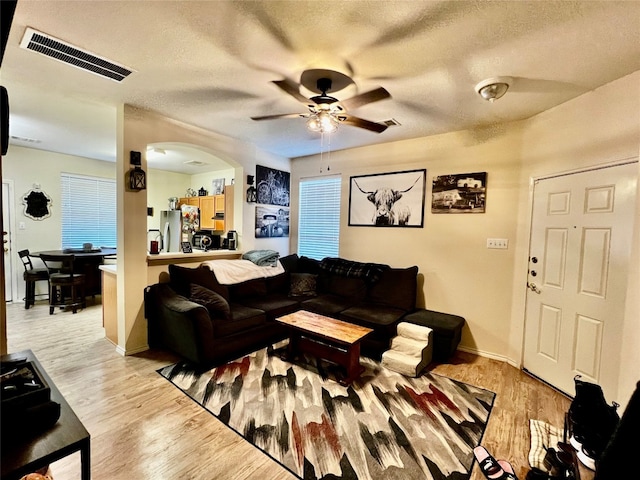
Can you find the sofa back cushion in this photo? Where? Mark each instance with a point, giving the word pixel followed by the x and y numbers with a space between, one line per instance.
pixel 308 265
pixel 347 287
pixel 216 305
pixel 290 262
pixel 181 279
pixel 279 283
pixel 397 287
pixel 250 288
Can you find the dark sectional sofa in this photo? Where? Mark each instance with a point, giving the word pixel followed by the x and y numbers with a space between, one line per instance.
pixel 208 323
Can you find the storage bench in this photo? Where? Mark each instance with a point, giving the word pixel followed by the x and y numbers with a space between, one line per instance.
pixel 447 330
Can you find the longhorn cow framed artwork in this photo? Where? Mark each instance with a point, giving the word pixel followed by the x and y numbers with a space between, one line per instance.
pixel 393 199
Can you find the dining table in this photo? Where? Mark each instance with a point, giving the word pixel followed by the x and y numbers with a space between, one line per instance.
pixel 86 261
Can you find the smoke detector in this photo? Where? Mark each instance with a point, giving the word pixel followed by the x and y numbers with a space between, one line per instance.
pixel 494 88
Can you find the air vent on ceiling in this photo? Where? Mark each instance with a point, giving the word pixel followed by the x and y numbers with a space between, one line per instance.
pixel 392 122
pixel 72 55
pixel 195 163
pixel 25 139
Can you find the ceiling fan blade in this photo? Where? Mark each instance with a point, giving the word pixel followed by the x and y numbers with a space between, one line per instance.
pixel 362 123
pixel 364 98
pixel 282 115
pixel 292 89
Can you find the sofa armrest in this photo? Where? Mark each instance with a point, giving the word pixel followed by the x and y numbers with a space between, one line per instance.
pixel 178 323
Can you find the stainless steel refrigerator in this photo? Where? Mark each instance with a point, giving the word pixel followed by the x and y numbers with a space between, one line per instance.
pixel 171 229
pixel 177 226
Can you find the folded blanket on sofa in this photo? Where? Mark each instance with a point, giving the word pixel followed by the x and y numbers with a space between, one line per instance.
pixel 370 272
pixel 230 272
pixel 262 258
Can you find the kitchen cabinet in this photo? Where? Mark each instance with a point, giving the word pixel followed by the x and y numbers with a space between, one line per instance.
pixel 216 211
pixel 193 201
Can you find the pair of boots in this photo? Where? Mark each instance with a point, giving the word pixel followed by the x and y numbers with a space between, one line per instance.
pixel 560 464
pixel 591 421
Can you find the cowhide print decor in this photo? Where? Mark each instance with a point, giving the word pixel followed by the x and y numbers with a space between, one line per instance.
pixel 382 426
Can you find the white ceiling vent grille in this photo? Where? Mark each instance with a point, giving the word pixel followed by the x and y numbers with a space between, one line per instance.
pixel 72 55
pixel 392 122
pixel 195 163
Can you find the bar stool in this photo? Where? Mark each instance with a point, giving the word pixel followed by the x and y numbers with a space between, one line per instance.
pixel 61 278
pixel 31 276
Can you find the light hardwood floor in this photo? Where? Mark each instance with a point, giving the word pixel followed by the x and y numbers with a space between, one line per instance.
pixel 142 427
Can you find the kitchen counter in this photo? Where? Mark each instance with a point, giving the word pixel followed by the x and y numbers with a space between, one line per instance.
pixel 166 258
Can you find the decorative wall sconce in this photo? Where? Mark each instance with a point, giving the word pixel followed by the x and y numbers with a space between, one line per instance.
pixel 137 177
pixel 251 191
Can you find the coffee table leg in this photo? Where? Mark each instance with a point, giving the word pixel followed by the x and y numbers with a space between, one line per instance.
pixel 354 369
pixel 85 460
pixel 293 348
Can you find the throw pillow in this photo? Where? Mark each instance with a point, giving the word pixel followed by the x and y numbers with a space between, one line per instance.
pixel 215 303
pixel 303 285
pixel 180 279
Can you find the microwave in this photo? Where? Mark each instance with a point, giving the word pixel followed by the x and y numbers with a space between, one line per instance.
pixel 212 241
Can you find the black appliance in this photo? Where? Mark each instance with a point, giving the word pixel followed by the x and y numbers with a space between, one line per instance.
pixel 232 240
pixel 206 240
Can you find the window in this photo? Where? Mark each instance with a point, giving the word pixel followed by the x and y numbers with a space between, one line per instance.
pixel 88 211
pixel 319 218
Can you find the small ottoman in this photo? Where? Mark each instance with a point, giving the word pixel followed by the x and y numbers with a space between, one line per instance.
pixel 447 330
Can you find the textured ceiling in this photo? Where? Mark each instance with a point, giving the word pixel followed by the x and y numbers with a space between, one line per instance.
pixel 211 64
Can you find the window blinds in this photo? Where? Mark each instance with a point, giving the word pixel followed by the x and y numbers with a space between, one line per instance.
pixel 319 217
pixel 88 211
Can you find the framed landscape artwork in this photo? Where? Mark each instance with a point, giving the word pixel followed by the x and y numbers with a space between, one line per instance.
pixel 388 199
pixel 459 193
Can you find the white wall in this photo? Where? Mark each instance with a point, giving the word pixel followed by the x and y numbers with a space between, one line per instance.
pixel 26 166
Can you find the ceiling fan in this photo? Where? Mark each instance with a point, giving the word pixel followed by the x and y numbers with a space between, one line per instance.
pixel 327 112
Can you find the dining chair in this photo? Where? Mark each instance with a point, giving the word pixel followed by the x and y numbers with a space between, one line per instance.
pixel 63 279
pixel 31 276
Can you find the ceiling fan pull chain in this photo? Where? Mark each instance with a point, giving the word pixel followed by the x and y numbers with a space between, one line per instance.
pixel 329 155
pixel 321 149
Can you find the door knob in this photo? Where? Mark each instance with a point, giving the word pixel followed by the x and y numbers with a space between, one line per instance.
pixel 6 250
pixel 534 259
pixel 533 273
pixel 534 288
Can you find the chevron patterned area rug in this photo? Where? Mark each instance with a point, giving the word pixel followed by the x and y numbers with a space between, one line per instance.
pixel 383 426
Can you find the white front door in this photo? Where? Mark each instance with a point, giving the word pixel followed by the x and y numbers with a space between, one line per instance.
pixel 7 220
pixel 578 260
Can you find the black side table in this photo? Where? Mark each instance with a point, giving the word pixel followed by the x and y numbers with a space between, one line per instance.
pixel 67 436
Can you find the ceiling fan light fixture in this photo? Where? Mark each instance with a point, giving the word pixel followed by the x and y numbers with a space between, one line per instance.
pixel 323 122
pixel 492 89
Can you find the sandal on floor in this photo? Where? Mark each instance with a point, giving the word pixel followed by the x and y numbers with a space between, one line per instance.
pixel 509 474
pixel 491 468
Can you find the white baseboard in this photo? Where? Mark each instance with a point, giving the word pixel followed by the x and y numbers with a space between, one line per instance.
pixel 133 351
pixel 493 356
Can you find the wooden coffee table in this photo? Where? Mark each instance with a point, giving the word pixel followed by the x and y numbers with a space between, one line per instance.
pixel 326 338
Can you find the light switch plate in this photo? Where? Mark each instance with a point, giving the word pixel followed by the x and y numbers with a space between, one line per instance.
pixel 501 243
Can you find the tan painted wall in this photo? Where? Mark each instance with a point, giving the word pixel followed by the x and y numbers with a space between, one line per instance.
pixel 160 186
pixel 26 166
pixel 600 127
pixel 136 129
pixel 460 275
